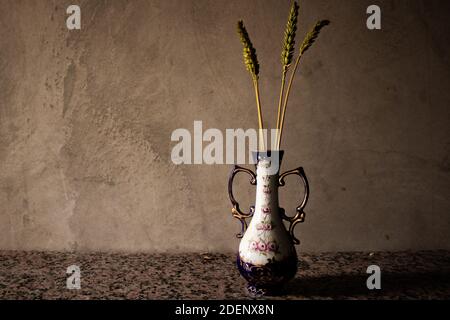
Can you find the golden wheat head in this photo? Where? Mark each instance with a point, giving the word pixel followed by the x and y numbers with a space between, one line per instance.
pixel 289 36
pixel 249 52
pixel 312 35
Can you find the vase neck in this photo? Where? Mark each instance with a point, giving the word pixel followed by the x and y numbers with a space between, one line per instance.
pixel 266 206
pixel 268 162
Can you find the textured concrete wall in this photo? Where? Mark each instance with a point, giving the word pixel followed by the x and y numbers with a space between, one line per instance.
pixel 86 118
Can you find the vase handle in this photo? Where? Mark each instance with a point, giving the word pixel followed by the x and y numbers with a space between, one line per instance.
pixel 236 211
pixel 300 214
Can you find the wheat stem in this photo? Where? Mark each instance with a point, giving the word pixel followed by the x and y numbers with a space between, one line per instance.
pixel 286 99
pixel 260 118
pixel 280 102
pixel 307 43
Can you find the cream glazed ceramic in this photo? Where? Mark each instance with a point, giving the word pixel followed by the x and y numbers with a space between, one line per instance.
pixel 266 238
pixel 267 256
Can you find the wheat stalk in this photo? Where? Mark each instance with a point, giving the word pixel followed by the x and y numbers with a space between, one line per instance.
pixel 307 43
pixel 287 53
pixel 252 65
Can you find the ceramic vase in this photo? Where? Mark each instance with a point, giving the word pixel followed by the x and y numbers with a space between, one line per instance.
pixel 267 257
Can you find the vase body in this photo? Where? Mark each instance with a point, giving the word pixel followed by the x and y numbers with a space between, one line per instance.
pixel 267 257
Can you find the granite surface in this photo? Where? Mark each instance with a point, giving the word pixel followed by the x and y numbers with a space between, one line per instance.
pixel 42 275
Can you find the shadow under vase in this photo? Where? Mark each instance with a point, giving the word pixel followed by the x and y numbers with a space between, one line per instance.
pixel 394 285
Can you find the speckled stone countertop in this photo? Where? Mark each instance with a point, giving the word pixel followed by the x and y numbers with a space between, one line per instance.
pixel 42 275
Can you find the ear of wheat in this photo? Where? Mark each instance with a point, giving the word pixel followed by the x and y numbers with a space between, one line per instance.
pixel 289 36
pixel 306 44
pixel 312 35
pixel 287 55
pixel 249 52
pixel 252 65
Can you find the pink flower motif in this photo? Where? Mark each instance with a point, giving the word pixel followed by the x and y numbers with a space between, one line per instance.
pixel 266 210
pixel 254 245
pixel 262 246
pixel 272 246
pixel 264 226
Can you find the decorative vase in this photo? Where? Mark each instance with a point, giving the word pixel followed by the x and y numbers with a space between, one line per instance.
pixel 267 258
